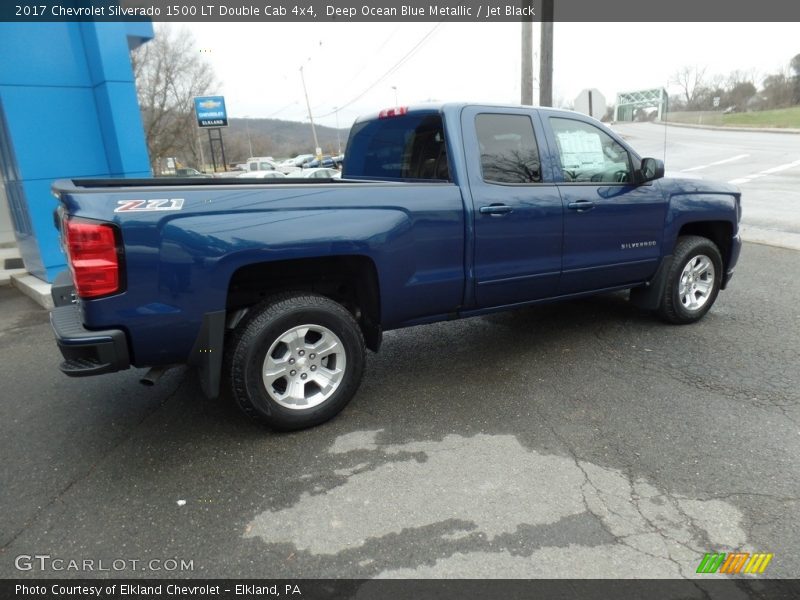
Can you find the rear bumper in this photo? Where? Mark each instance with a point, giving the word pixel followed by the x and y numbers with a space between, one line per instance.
pixel 85 352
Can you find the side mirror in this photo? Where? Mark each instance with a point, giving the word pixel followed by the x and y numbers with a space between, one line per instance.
pixel 651 169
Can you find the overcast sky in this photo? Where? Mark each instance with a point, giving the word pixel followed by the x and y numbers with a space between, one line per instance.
pixel 355 66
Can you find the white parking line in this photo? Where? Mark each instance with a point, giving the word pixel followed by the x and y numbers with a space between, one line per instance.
pixel 780 168
pixel 765 172
pixel 714 164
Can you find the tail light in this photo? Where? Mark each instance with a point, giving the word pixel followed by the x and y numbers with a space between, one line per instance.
pixel 94 257
pixel 397 111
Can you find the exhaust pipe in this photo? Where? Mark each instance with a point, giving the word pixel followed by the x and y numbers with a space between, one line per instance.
pixel 153 375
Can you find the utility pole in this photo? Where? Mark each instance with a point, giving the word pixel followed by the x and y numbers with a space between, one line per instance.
pixel 202 157
pixel 249 141
pixel 317 149
pixel 526 79
pixel 338 137
pixel 546 56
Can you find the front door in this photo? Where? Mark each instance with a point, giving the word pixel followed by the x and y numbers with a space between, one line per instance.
pixel 613 228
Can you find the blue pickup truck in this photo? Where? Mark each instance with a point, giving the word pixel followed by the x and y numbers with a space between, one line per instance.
pixel 274 288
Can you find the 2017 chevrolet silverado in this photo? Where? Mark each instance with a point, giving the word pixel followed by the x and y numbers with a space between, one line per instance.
pixel 442 212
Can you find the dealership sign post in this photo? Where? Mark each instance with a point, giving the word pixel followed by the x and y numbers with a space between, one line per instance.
pixel 212 115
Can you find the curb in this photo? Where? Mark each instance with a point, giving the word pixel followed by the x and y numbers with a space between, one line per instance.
pixel 10 254
pixel 7 274
pixel 722 128
pixel 34 288
pixel 769 237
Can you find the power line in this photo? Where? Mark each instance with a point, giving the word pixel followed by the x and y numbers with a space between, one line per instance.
pixel 391 70
pixel 370 59
pixel 373 56
pixel 280 110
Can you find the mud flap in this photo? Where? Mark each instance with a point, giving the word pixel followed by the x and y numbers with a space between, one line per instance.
pixel 206 354
pixel 648 297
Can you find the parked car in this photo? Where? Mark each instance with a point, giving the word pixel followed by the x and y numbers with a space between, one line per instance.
pixel 262 175
pixel 325 161
pixel 448 211
pixel 261 164
pixel 321 173
pixel 189 172
pixel 292 165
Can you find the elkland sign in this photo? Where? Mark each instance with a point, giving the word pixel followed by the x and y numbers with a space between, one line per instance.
pixel 210 111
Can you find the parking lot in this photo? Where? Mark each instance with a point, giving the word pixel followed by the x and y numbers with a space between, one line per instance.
pixel 584 439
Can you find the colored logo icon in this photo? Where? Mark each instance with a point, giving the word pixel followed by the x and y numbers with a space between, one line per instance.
pixel 734 563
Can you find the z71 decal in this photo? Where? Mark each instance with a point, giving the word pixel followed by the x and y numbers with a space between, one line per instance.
pixel 148 205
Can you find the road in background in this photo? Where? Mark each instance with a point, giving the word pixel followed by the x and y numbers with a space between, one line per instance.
pixel 765 166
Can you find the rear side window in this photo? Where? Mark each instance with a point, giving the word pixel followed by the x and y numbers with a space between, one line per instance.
pixel 508 149
pixel 402 147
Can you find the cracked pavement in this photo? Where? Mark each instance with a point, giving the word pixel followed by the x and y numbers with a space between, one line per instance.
pixel 584 439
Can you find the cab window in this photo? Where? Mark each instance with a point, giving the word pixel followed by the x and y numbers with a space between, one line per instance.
pixel 406 147
pixel 588 154
pixel 508 149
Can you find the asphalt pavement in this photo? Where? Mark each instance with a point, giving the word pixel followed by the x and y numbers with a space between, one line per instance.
pixel 584 439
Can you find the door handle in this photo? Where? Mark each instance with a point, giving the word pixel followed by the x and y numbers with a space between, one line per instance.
pixel 581 205
pixel 496 210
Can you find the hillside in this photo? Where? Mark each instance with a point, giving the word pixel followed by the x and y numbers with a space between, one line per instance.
pixel 273 137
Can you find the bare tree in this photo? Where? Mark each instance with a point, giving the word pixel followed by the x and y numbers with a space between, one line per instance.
pixel 169 73
pixel 692 84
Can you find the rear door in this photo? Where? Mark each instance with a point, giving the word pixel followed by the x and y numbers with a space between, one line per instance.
pixel 613 228
pixel 517 216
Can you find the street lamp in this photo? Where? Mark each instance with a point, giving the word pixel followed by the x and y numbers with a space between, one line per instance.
pixel 396 103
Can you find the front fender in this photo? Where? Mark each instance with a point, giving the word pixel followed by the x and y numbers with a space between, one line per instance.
pixel 698 201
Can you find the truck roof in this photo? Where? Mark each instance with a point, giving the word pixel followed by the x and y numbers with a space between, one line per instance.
pixel 456 107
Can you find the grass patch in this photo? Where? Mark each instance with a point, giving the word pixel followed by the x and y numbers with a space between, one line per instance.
pixel 778 118
pixel 782 117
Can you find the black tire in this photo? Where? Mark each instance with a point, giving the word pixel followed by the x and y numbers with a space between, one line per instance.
pixel 264 326
pixel 689 248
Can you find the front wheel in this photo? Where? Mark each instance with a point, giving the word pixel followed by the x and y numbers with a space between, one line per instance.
pixel 693 280
pixel 296 361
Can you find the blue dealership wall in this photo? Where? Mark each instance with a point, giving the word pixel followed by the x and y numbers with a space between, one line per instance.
pixel 68 105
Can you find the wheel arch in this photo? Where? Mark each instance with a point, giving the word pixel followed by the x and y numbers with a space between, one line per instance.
pixel 351 280
pixel 648 297
pixel 719 232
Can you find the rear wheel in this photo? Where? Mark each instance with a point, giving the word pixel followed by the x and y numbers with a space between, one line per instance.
pixel 296 361
pixel 693 280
